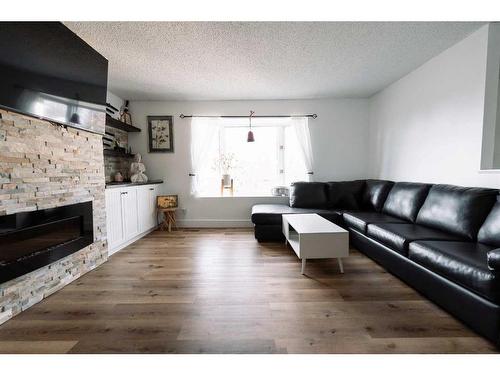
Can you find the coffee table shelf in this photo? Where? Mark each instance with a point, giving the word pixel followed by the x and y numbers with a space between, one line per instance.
pixel 313 237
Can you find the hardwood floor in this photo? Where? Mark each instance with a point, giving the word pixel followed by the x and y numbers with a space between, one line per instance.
pixel 219 291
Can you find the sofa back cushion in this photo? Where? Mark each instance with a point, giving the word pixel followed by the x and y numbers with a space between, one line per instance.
pixel 489 233
pixel 405 199
pixel 308 195
pixel 374 194
pixel 345 194
pixel 455 209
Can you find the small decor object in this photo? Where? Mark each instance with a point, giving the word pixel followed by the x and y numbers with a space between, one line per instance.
pixel 280 191
pixel 137 169
pixel 167 201
pixel 226 179
pixel 125 114
pixel 75 118
pixel 225 163
pixel 118 177
pixel 250 137
pixel 161 135
pixel 167 205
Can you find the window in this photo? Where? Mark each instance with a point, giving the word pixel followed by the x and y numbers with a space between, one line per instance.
pixel 274 159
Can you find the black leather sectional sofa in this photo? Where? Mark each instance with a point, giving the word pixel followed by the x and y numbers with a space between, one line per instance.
pixel 443 240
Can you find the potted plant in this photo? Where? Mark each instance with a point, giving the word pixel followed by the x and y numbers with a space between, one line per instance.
pixel 225 164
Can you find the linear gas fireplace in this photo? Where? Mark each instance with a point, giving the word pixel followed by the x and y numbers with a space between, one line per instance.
pixel 31 240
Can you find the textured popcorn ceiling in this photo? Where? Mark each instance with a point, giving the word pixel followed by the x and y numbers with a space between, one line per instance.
pixel 263 60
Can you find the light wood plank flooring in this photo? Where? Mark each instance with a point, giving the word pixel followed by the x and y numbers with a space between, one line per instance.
pixel 219 291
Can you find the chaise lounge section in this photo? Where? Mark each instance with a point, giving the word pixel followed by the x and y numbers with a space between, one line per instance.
pixel 443 240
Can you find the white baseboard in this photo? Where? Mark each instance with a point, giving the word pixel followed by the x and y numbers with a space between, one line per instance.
pixel 129 242
pixel 214 223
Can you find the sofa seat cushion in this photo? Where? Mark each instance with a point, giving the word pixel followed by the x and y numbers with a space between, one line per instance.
pixel 270 214
pixel 462 262
pixel 360 220
pixel 399 236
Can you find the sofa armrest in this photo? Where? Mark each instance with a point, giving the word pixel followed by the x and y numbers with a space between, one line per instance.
pixel 494 260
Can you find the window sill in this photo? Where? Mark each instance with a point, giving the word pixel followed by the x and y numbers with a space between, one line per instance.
pixel 485 171
pixel 240 196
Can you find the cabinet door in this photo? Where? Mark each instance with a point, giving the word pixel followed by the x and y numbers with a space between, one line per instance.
pixel 114 222
pixel 143 208
pixel 129 212
pixel 146 203
pixel 153 214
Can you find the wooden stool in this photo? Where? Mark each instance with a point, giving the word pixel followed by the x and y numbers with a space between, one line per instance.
pixel 223 187
pixel 168 218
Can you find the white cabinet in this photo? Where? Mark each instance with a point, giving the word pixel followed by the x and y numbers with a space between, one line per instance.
pixel 130 213
pixel 114 225
pixel 146 206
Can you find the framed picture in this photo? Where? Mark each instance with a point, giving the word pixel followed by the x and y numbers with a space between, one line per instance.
pixel 167 201
pixel 161 133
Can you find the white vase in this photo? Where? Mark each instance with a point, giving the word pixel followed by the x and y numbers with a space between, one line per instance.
pixel 226 178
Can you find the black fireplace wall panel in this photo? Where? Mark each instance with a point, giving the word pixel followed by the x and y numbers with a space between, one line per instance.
pixel 31 240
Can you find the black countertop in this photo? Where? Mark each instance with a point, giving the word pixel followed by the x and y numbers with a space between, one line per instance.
pixel 111 185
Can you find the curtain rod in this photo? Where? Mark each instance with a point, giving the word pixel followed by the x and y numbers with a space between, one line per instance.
pixel 314 115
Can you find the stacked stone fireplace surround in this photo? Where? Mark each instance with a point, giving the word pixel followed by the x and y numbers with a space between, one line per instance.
pixel 44 165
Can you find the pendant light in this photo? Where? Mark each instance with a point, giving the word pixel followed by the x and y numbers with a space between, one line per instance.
pixel 250 137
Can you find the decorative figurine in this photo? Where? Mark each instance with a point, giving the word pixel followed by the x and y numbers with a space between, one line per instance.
pixel 118 177
pixel 137 170
pixel 125 114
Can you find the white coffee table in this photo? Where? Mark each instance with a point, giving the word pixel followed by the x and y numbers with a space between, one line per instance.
pixel 313 237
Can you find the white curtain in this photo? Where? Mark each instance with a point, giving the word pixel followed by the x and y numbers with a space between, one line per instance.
pixel 301 127
pixel 204 131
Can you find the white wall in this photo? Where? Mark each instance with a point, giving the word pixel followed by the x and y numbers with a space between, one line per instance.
pixel 428 125
pixel 339 140
pixel 116 102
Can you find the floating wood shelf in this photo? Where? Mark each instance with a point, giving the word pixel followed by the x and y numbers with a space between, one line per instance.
pixel 117 124
pixel 117 153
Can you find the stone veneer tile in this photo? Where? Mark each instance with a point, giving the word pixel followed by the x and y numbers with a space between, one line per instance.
pixel 43 166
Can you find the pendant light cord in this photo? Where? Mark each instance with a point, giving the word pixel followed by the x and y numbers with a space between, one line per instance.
pixel 251 114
